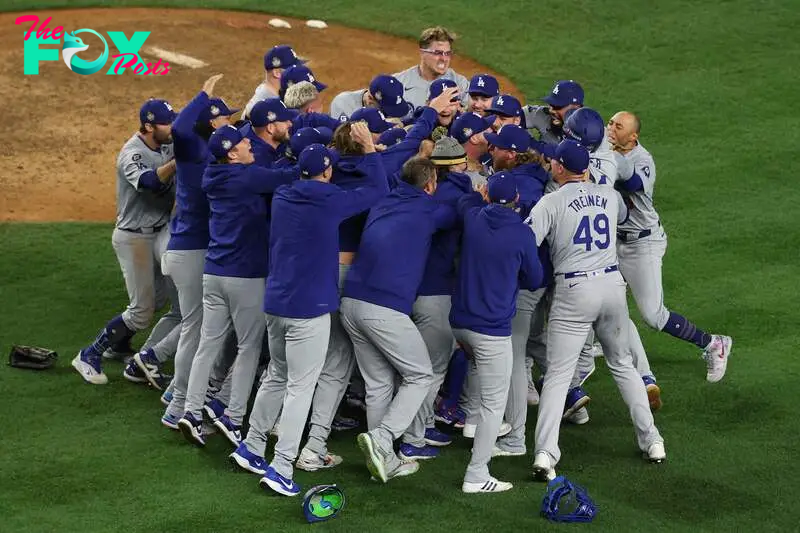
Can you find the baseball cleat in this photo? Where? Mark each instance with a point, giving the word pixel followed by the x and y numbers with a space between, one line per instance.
pixel 311 462
pixel 716 355
pixel 89 367
pixel 533 396
pixel 278 483
pixel 133 373
pixel 166 398
pixel 576 398
pixel 376 462
pixel 231 431
pixel 119 351
pixel 403 469
pixel 247 460
pixel 491 485
pixel 656 453
pixel 214 409
pixel 343 423
pixel 434 437
pixel 170 421
pixel 409 452
pixel 150 366
pixel 579 417
pixel 653 392
pixel 543 467
pixel 469 430
pixel 192 430
pixel 452 416
pixel 497 451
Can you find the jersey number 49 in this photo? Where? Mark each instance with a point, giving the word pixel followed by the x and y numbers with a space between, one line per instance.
pixel 583 235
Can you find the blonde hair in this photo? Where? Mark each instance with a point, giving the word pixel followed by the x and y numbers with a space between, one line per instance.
pixel 437 33
pixel 343 140
pixel 300 94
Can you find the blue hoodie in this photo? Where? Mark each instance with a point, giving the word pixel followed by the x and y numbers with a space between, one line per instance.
pixel 314 120
pixel 394 247
pixel 531 180
pixel 498 255
pixel 304 243
pixel 440 270
pixel 264 153
pixel 239 243
pixel 349 173
pixel 396 155
pixel 189 224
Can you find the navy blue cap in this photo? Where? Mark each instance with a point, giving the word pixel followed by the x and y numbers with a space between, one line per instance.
pixel 392 136
pixel 502 188
pixel 388 92
pixel 307 136
pixel 506 105
pixel 315 159
pixel 281 56
pixel 269 111
pixel 375 120
pixel 573 155
pixel 510 137
pixel 564 93
pixel 468 124
pixel 586 126
pixel 156 111
pixel 438 86
pixel 216 108
pixel 296 74
pixel 484 85
pixel 225 138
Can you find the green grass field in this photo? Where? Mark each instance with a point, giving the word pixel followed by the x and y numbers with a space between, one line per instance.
pixel 714 83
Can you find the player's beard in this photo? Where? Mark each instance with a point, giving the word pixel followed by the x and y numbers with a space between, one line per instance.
pixel 162 138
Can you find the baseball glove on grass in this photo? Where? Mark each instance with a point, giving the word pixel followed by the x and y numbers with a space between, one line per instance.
pixel 32 357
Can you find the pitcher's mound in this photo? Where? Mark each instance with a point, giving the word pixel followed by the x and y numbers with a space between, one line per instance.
pixel 64 130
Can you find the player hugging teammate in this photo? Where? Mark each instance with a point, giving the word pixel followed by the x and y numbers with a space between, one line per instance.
pixel 414 254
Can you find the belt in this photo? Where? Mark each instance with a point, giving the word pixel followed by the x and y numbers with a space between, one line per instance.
pixel 146 231
pixel 630 236
pixel 591 273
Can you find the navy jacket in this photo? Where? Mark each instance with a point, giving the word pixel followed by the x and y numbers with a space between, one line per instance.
pixel 394 248
pixel 189 224
pixel 239 243
pixel 264 153
pixel 531 179
pixel 304 244
pixel 498 255
pixel 349 173
pixel 440 270
pixel 314 120
pixel 395 156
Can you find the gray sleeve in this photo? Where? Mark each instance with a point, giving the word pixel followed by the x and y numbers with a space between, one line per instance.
pixel 131 164
pixel 624 166
pixel 541 219
pixel 622 214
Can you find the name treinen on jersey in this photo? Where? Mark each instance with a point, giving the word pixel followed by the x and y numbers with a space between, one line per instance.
pixel 588 201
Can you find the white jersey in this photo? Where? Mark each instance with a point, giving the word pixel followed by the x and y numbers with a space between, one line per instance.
pixel 579 222
pixel 262 92
pixel 417 87
pixel 345 104
pixel 643 213
pixel 139 208
pixel 603 167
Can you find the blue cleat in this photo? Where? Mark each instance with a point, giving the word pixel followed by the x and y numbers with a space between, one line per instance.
pixel 278 483
pixel 409 452
pixel 453 416
pixel 214 409
pixel 576 399
pixel 192 430
pixel 133 373
pixel 434 437
pixel 88 365
pixel 149 364
pixel 247 460
pixel 170 421
pixel 231 431
pixel 166 398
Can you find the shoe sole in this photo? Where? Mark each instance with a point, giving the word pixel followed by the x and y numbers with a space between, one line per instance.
pixel 276 487
pixel 187 430
pixel 654 397
pixel 228 434
pixel 170 425
pixel 479 490
pixel 727 342
pixel 143 367
pixel 374 464
pixel 410 458
pixel 314 467
pixel 575 406
pixel 437 443
pixel 133 379
pixel 504 453
pixel 244 464
pixel 93 379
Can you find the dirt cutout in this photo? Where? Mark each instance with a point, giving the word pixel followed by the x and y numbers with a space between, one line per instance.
pixel 64 130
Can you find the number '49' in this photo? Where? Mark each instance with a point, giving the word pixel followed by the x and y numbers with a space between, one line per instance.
pixel 583 235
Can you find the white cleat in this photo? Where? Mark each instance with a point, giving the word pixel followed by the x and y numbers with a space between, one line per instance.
pixel 579 417
pixel 543 467
pixel 88 372
pixel 469 430
pixel 500 452
pixel 311 462
pixel 716 355
pixel 656 453
pixel 492 485
pixel 533 396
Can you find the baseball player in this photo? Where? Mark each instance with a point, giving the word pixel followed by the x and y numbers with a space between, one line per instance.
pixel 384 92
pixel 435 53
pixel 507 110
pixel 468 129
pixel 300 298
pixel 233 277
pixel 642 243
pixel 579 223
pixel 482 88
pixel 547 120
pixel 276 60
pixel 271 121
pixel 145 194
pixel 303 96
pixel 498 254
pixel 296 74
pixel 378 298
pixel 301 139
pixel 450 112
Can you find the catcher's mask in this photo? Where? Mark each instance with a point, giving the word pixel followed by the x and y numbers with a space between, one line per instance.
pixel 567 502
pixel 322 502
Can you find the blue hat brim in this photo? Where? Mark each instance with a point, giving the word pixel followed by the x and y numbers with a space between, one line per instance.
pixel 554 100
pixel 494 139
pixel 245 129
pixel 483 92
pixel 320 86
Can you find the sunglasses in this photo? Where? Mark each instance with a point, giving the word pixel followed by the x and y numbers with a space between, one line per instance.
pixel 437 53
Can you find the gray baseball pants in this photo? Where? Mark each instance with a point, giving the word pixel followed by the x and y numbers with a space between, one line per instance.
pixel 493 357
pixel 386 344
pixel 577 304
pixel 228 304
pixel 297 348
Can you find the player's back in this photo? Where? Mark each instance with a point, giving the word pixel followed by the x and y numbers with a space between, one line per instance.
pixel 583 226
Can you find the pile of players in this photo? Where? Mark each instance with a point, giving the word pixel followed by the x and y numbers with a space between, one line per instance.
pixel 415 250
